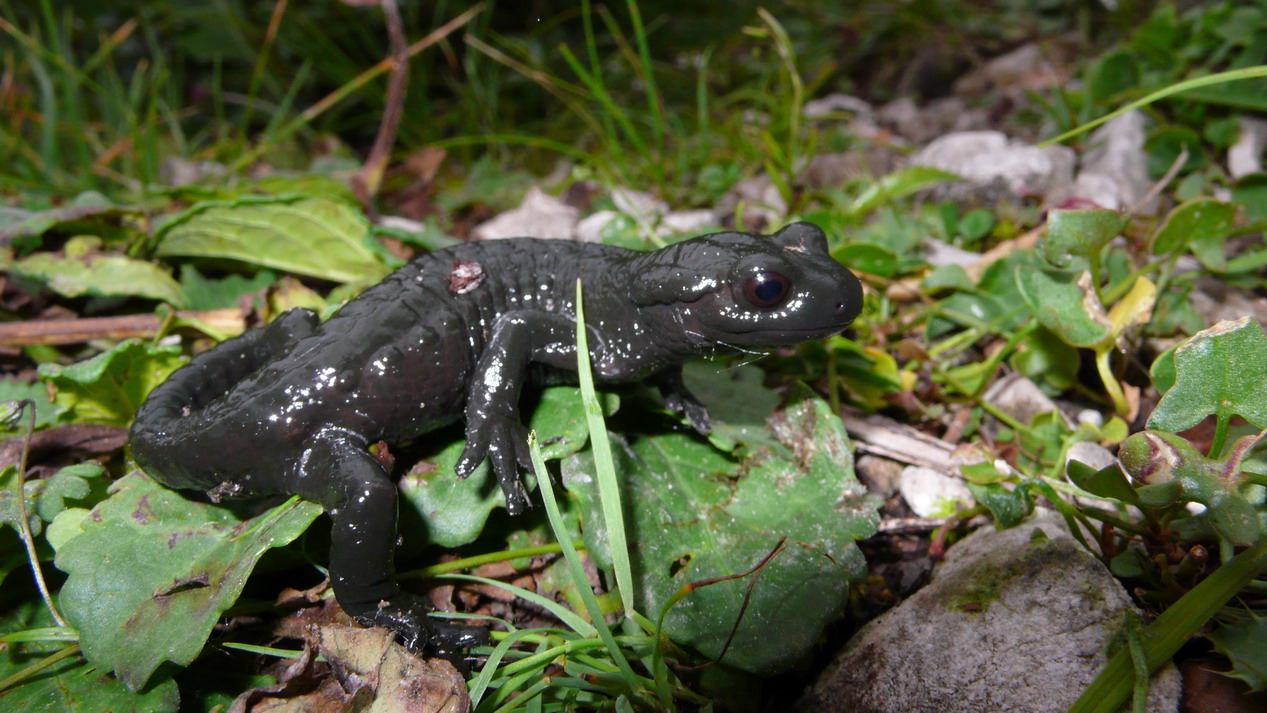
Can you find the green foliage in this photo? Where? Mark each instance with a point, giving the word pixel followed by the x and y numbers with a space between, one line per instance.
pixel 310 236
pixel 111 386
pixel 150 572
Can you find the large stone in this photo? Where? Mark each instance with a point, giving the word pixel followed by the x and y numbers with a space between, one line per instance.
pixel 1014 620
pixel 540 215
pixel 994 167
pixel 1114 170
pixel 1246 155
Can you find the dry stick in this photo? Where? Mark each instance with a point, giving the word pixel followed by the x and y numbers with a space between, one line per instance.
pixel 357 82
pixel 371 176
pixel 72 331
pixel 24 523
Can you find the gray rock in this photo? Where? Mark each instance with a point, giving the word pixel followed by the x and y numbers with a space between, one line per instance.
pixel 763 205
pixel 1019 398
pixel 590 229
pixel 994 167
pixel 836 103
pixel 940 254
pixel 1011 622
pixel 880 475
pixel 932 493
pixel 687 222
pixel 1246 155
pixel 539 216
pixel 1114 170
pixel 830 170
pixel 1092 454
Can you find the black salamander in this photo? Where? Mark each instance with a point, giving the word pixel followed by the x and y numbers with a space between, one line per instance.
pixel 293 407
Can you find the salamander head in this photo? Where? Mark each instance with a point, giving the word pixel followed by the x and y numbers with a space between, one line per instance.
pixel 752 290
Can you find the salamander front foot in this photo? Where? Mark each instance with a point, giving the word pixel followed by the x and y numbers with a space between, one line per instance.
pixel 406 615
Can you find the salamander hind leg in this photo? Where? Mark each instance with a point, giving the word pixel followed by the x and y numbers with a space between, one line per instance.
pixel 361 500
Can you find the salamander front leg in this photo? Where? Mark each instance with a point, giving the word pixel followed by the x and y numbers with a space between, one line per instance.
pixel 361 501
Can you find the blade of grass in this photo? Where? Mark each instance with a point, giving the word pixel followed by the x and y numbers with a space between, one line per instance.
pixel 604 465
pixel 565 615
pixel 546 488
pixel 1217 78
pixel 1163 637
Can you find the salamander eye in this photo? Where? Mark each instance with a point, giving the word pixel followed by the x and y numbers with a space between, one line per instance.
pixel 766 289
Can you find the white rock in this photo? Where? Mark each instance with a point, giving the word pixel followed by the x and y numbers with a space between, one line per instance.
pixel 939 254
pixel 590 229
pixel 762 202
pixel 931 493
pixel 539 216
pixel 992 164
pixel 1092 454
pixel 1246 155
pixel 835 104
pixel 1090 416
pixel 641 206
pixel 681 222
pixel 1019 398
pixel 1114 170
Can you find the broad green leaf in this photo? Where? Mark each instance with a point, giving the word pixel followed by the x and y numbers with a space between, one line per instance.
pixel 455 510
pixel 1046 359
pixel 694 516
pixel 71 685
pixel 151 571
pixel 111 386
pixel 1221 370
pixel 313 236
pixel 1245 645
pixel 867 257
pixel 88 213
pixel 207 293
pixel 101 276
pixel 1112 75
pixel 1162 370
pixel 1164 145
pixel 1202 224
pixel 1080 232
pixel 1065 304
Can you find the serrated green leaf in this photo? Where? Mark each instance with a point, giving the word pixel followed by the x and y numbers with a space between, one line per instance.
pixel 1008 507
pixel 45 497
pixel 101 276
pixel 1083 233
pixel 455 510
pixel 1245 645
pixel 313 236
pixel 1222 371
pixel 111 386
pixel 693 517
pixel 1064 304
pixel 1203 225
pixel 151 572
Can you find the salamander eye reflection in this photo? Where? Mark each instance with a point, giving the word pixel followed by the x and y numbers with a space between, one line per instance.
pixel 766 288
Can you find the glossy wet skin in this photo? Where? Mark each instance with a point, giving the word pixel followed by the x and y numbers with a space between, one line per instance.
pixel 454 335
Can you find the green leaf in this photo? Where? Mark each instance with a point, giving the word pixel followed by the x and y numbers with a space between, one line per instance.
pixel 313 236
pixel 1080 232
pixel 1108 482
pixel 13 391
pixel 101 276
pixel 455 510
pixel 867 257
pixel 1202 224
pixel 694 516
pixel 203 293
pixel 150 573
pixel 1164 146
pixel 1061 301
pixel 111 386
pixel 1245 645
pixel 1008 507
pixel 73 685
pixel 1222 371
pixel 976 224
pixel 1045 358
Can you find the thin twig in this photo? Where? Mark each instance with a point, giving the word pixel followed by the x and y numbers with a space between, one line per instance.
pixel 24 522
pixel 371 176
pixel 72 331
